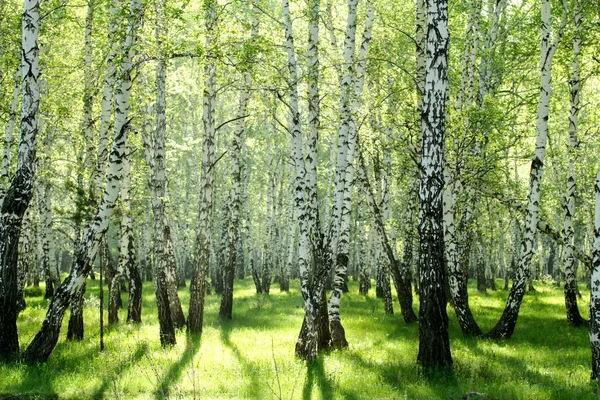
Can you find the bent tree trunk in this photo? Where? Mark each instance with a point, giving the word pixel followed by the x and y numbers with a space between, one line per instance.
pixel 45 340
pixel 506 325
pixel 434 344
pixel 401 281
pixel 20 192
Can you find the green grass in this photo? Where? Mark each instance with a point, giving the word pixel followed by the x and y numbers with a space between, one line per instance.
pixel 252 356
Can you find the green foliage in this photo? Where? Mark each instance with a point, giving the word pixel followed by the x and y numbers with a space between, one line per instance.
pixel 252 356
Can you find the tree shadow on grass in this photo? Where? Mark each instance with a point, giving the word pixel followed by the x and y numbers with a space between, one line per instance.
pixel 249 369
pixel 165 385
pixel 317 376
pixel 441 382
pixel 38 379
pixel 119 369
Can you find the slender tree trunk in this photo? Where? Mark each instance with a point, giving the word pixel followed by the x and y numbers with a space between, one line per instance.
pixel 401 281
pixel 45 210
pixel 45 340
pixel 9 137
pixel 343 241
pixel 457 284
pixel 320 271
pixel 505 326
pixel 594 323
pixel 434 345
pixel 19 194
pixel 126 246
pixel 248 228
pixel 236 180
pixel 306 346
pixel 363 271
pixel 573 316
pixel 203 241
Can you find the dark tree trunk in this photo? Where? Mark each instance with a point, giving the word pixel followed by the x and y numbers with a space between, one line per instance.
pixel 379 281
pixel 481 283
pixel 255 276
pixel 134 308
pixel 266 277
pixel 75 330
pixel 226 308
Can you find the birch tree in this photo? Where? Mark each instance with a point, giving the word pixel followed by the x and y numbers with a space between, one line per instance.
pixel 236 177
pixel 505 326
pixel 19 194
pixel 203 241
pixel 434 345
pixel 9 136
pixel 573 316
pixel 594 325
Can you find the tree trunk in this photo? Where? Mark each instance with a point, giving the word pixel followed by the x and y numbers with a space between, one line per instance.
pixel 434 345
pixel 505 326
pixel 126 247
pixel 594 323
pixel 573 316
pixel 456 282
pixel 306 345
pixel 401 281
pixel 343 241
pixel 20 192
pixel 9 137
pixel 203 241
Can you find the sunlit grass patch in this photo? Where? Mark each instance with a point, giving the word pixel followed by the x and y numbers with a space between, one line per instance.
pixel 252 356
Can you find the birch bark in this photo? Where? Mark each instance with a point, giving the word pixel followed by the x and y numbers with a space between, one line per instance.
pixel 9 137
pixel 594 325
pixel 434 345
pixel 504 328
pixel 570 288
pixel 306 346
pixel 348 118
pixel 19 194
pixel 236 178
pixel 203 241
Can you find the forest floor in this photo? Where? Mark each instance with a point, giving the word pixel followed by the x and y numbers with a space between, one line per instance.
pixel 252 356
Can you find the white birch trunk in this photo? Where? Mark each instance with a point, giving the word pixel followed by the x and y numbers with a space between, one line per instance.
pixel 434 346
pixel 236 181
pixel 203 240
pixel 594 325
pixel 125 240
pixel 306 347
pixel 110 78
pixel 349 111
pixel 20 192
pixel 506 325
pixel 343 144
pixel 570 288
pixel 9 137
